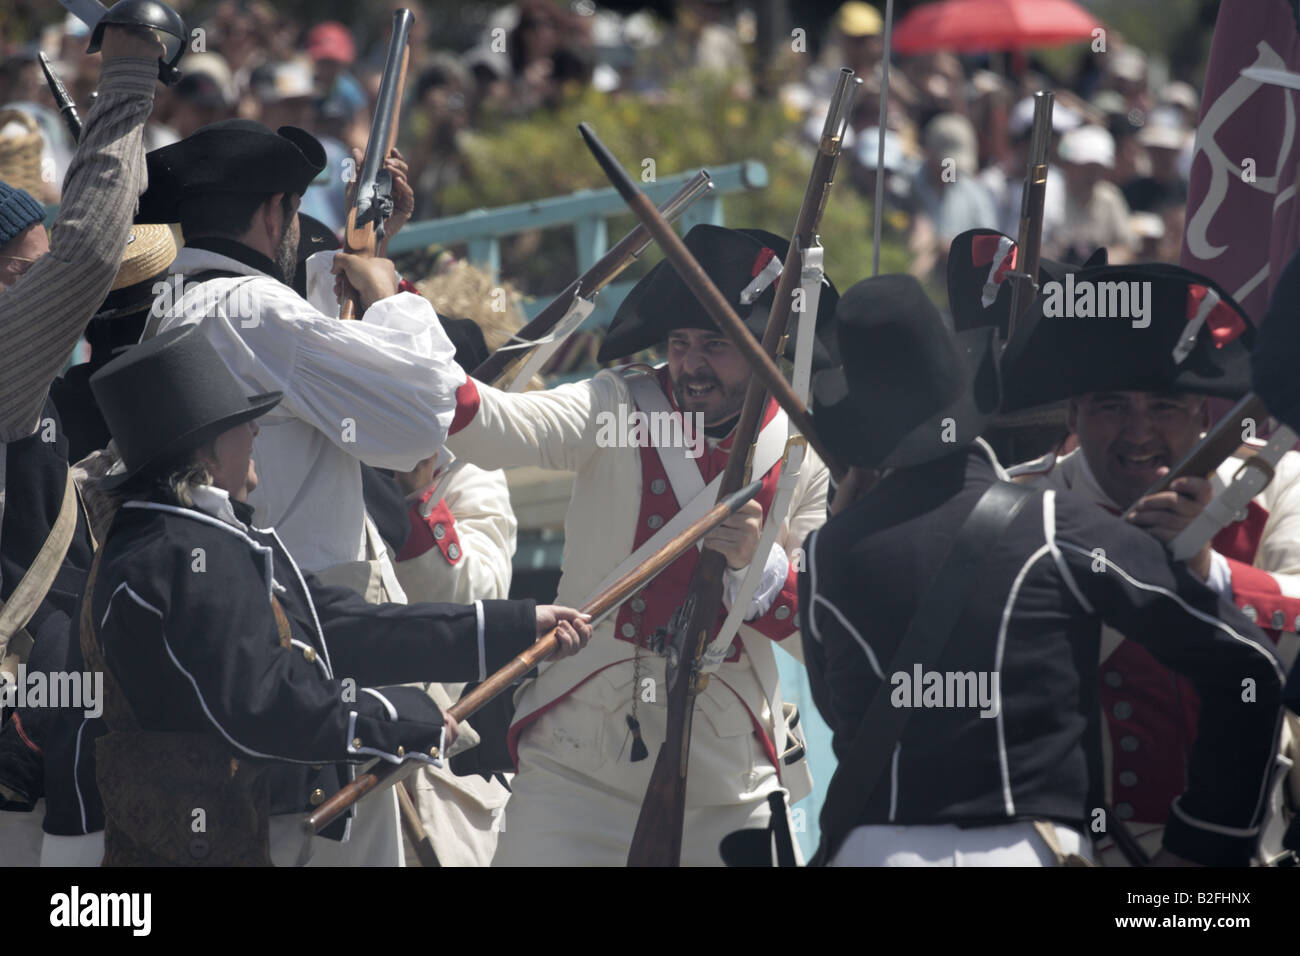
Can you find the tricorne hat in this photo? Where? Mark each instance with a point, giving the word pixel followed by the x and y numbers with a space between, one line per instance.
pixel 231 156
pixel 745 266
pixel 168 396
pixel 909 390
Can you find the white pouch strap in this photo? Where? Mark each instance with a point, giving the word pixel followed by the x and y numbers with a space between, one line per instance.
pixel 548 344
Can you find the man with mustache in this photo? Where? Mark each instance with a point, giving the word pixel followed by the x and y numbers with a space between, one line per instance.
pixel 1138 405
pixel 581 735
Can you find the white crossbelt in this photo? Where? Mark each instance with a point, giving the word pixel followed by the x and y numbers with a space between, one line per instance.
pixel 684 476
pixel 811 285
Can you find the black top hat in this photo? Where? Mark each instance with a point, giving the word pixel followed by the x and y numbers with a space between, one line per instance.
pixel 909 391
pixel 1085 334
pixel 313 236
pixel 979 263
pixel 168 396
pixel 734 259
pixel 232 156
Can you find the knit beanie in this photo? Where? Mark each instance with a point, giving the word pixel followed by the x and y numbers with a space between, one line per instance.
pixel 18 212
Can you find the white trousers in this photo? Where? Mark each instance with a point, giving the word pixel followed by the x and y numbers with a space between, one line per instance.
pixel 375 838
pixel 21 836
pixel 1012 844
pixel 79 851
pixel 577 795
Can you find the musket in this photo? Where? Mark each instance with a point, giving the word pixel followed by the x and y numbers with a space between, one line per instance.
pixel 713 301
pixel 1218 445
pixel 607 600
pixel 67 108
pixel 1024 279
pixel 621 255
pixel 878 209
pixel 658 836
pixel 371 202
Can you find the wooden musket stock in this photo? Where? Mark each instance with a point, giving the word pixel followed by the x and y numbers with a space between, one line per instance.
pixel 386 774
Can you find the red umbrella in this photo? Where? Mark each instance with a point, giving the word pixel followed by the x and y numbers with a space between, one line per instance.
pixel 969 26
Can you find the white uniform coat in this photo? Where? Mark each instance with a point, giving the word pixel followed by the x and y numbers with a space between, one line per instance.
pixel 460 550
pixel 576 793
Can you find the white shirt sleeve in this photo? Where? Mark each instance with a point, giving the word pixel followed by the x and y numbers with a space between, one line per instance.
pixel 382 389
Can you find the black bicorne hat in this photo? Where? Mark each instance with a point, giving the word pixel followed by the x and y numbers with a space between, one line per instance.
pixel 168 396
pixel 909 391
pixel 736 260
pixel 1145 328
pixel 231 156
pixel 979 263
pixel 465 334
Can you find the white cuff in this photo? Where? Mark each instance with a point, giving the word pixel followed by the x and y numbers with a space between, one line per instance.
pixel 775 572
pixel 1220 576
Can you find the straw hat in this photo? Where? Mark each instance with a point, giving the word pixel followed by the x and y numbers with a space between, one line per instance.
pixel 149 250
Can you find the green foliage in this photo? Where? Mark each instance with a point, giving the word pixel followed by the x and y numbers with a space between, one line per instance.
pixel 513 161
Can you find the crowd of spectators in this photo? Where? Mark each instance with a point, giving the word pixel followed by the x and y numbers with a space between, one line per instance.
pixel 956 134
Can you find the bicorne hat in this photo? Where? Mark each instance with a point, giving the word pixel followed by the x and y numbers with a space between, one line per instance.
pixel 168 396
pixel 231 156
pixel 1148 327
pixel 909 390
pixel 744 264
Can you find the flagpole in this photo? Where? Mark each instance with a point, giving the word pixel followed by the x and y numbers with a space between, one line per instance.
pixel 878 211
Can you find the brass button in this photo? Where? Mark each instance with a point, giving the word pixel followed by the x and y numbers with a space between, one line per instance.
pixel 1250 612
pixel 781 613
pixel 658 486
pixel 1278 620
pixel 1122 710
pixel 629 630
pixel 317 797
pixel 1128 743
pixel 310 654
pixel 1128 778
pixel 433 752
pixel 356 743
pixel 1113 678
pixel 1124 811
pixel 638 605
pixel 200 848
pixel 453 551
pixel 655 522
pixel 401 751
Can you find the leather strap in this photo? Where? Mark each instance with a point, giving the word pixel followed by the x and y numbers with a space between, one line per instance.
pixel 36 581
pixel 938 611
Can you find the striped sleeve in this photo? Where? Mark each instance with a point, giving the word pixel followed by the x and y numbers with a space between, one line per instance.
pixel 45 311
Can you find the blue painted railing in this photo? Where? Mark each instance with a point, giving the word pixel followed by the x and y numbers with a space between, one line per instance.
pixel 586 211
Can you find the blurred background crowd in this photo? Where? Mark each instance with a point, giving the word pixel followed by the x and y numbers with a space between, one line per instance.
pixel 493 91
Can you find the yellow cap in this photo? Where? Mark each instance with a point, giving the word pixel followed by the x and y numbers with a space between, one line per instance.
pixel 858 19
